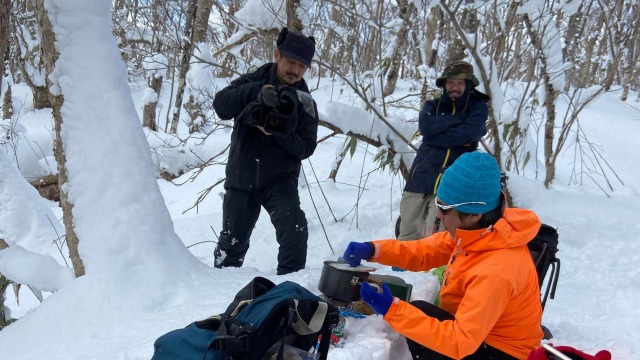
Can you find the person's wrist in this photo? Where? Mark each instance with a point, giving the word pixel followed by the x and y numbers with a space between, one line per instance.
pixel 372 249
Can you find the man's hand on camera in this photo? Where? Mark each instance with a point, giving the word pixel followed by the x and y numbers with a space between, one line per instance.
pixel 263 130
pixel 268 96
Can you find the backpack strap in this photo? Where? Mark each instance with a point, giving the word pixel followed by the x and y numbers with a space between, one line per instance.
pixel 315 324
pixel 292 317
pixel 252 290
pixel 331 321
pixel 553 281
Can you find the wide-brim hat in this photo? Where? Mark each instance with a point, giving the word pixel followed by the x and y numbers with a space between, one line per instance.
pixel 460 70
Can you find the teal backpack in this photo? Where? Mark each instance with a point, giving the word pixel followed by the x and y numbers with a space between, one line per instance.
pixel 263 321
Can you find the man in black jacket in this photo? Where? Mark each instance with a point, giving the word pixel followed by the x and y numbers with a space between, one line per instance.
pixel 276 124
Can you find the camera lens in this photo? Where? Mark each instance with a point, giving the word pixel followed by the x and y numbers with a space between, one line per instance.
pixel 273 122
pixel 276 123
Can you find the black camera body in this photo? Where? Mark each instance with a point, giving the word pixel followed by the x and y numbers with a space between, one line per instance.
pixel 280 118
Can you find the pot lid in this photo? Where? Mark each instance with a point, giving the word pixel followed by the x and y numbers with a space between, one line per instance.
pixel 344 266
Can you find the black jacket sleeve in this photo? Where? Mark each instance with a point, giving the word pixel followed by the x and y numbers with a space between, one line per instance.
pixel 230 101
pixel 446 130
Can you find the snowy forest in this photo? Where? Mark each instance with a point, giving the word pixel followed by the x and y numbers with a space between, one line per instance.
pixel 541 62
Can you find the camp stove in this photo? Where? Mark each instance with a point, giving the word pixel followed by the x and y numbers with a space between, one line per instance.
pixel 337 303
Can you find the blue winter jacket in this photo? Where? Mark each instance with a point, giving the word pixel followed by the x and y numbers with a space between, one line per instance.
pixel 255 159
pixel 448 130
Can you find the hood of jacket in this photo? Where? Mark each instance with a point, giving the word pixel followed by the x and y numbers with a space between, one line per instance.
pixel 516 228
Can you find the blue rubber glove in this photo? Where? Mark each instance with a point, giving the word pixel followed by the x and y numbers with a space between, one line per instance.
pixel 356 252
pixel 380 303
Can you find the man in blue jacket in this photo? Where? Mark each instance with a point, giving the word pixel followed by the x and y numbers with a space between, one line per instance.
pixel 450 126
pixel 276 124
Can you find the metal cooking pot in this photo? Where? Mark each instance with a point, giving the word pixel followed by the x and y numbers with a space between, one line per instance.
pixel 340 281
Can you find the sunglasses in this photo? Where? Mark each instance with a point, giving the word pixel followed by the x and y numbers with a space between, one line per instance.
pixel 444 209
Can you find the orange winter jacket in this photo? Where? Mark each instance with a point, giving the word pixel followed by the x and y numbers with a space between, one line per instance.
pixel 490 286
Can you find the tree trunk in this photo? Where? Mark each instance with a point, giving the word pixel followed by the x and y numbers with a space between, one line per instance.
pixel 5 52
pixel 40 93
pixel 229 60
pixel 50 56
pixel 469 19
pixel 149 109
pixel 344 61
pixel 430 35
pixel 334 172
pixel 504 37
pixel 293 22
pixel 613 36
pixel 154 81
pixel 7 106
pixel 631 71
pixel 373 44
pixel 392 73
pixel 569 49
pixel 201 24
pixel 119 31
pixel 187 51
pixel 4 283
pixel 326 55
pixel 201 21
pixel 41 97
pixel 584 72
pixel 5 20
pixel 549 104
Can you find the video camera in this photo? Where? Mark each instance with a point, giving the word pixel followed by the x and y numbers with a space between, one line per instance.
pixel 278 118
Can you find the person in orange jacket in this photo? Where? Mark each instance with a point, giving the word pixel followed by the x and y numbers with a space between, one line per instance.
pixel 490 299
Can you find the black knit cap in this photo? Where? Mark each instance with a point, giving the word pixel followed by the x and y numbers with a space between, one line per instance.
pixel 293 45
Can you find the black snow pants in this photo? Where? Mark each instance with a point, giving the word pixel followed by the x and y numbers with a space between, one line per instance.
pixel 240 211
pixel 484 352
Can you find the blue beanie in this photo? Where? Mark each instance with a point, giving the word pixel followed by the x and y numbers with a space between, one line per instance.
pixel 293 45
pixel 474 176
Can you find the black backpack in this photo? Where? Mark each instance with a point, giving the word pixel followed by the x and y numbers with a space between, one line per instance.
pixel 543 249
pixel 262 320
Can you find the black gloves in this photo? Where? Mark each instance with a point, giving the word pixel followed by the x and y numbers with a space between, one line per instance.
pixel 275 110
pixel 268 96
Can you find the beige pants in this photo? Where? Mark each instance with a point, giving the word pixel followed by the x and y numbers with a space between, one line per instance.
pixel 418 215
